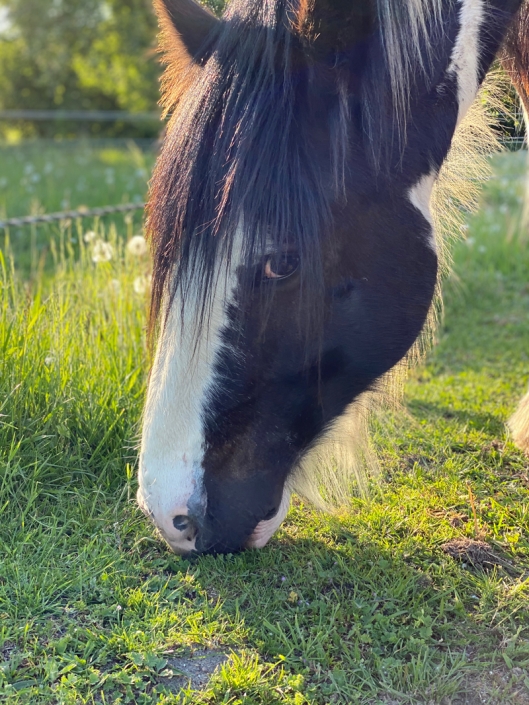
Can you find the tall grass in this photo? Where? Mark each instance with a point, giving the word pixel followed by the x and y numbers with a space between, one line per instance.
pixel 73 362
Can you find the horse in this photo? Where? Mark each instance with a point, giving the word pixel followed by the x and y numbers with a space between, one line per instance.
pixel 296 227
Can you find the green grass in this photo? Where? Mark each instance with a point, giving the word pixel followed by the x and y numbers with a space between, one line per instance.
pixel 362 607
pixel 48 177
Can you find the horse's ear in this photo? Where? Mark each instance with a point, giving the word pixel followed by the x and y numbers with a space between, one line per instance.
pixel 185 26
pixel 328 27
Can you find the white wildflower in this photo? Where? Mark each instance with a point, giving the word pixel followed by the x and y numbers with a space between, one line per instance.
pixel 49 360
pixel 89 236
pixel 102 251
pixel 142 284
pixel 137 246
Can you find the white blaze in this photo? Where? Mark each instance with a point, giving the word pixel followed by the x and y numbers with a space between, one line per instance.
pixel 180 388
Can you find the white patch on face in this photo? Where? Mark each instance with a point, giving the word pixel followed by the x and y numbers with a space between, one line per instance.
pixel 264 531
pixel 464 62
pixel 182 383
pixel 420 195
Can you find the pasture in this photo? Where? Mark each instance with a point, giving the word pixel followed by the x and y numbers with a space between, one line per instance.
pixel 362 607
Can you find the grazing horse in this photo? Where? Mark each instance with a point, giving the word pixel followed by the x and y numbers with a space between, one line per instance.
pixel 296 258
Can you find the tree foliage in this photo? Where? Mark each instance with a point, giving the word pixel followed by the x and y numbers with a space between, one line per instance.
pixel 79 54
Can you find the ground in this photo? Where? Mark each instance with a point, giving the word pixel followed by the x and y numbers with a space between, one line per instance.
pixel 389 601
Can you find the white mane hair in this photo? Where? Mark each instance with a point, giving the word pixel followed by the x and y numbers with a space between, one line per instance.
pixel 404 27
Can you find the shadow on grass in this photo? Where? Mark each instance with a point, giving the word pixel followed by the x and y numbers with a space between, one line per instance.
pixel 356 619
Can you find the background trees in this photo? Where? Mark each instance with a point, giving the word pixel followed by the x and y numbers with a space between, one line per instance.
pixel 80 55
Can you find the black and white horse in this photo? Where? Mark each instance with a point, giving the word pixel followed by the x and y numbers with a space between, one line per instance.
pixel 295 255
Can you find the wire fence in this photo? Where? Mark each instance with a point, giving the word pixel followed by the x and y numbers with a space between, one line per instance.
pixel 70 215
pixel 79 141
pixel 78 116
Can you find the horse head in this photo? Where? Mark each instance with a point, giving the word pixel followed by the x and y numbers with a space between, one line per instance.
pixel 294 255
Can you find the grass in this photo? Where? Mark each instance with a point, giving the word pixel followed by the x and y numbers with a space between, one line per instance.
pixel 47 177
pixel 361 607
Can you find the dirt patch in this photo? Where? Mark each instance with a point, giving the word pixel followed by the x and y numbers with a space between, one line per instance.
pixel 497 687
pixel 477 553
pixel 7 650
pixel 193 670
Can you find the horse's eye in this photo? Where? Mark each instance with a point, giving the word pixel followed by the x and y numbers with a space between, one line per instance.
pixel 280 266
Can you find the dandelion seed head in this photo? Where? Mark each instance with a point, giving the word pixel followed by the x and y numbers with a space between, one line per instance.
pixel 49 360
pixel 102 251
pixel 137 246
pixel 142 284
pixel 89 236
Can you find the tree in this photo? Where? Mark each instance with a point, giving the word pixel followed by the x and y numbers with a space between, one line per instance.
pixel 80 55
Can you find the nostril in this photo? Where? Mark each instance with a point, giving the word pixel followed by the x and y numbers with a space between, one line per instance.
pixel 186 526
pixel 181 523
pixel 271 514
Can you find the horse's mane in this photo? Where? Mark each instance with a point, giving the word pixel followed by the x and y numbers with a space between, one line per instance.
pixel 235 164
pixel 237 160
